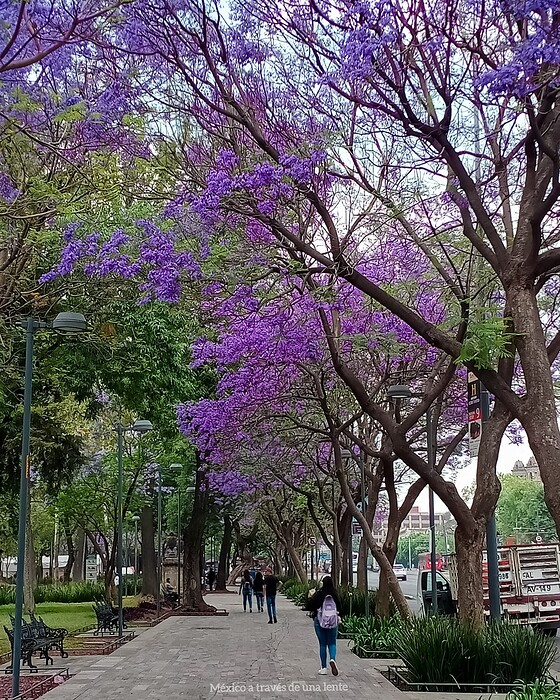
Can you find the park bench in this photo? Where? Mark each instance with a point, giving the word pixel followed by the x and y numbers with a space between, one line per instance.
pixel 29 646
pixel 107 618
pixel 37 636
pixel 39 628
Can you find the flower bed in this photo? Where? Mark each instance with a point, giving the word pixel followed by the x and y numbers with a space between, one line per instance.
pixel 32 686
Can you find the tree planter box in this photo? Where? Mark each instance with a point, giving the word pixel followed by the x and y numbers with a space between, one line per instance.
pixel 38 686
pixel 397 676
pixel 374 653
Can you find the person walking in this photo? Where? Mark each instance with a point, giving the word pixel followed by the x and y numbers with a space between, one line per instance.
pixel 211 578
pixel 258 589
pixel 247 589
pixel 324 606
pixel 270 590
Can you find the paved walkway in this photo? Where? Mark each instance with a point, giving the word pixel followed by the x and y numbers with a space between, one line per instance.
pixel 238 657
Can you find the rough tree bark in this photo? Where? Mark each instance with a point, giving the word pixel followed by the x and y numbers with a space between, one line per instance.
pixel 71 554
pixel 243 551
pixel 78 570
pixel 149 564
pixel 221 579
pixel 193 545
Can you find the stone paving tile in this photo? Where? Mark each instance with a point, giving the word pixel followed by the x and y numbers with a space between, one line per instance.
pixel 239 657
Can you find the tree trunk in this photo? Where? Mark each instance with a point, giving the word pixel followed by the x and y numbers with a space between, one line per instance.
pixel 383 604
pixel 362 565
pixel 345 532
pixel 78 570
pixel 110 588
pixel 30 571
pixel 295 560
pixel 71 555
pixel 56 549
pixel 221 579
pixel 149 565
pixel 469 544
pixel 193 541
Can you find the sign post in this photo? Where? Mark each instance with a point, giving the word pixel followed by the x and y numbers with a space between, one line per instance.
pixel 475 413
pixel 91 567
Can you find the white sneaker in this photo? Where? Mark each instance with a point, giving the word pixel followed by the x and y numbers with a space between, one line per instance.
pixel 323 672
pixel 334 667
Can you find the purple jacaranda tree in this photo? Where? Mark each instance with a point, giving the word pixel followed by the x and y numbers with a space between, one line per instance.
pixel 369 141
pixel 68 136
pixel 328 129
pixel 268 352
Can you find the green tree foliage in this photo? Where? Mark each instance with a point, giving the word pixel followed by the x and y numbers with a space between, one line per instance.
pixel 522 512
pixel 420 543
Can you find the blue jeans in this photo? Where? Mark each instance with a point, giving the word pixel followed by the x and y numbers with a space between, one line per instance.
pixel 327 638
pixel 248 596
pixel 259 595
pixel 271 606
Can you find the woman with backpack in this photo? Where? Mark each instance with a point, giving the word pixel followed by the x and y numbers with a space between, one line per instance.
pixel 247 589
pixel 258 588
pixel 324 606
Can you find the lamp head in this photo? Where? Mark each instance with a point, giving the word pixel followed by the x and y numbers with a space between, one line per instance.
pixel 69 323
pixel 135 518
pixel 399 391
pixel 142 426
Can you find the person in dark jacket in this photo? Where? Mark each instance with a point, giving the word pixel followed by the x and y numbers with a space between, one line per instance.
pixel 247 589
pixel 271 585
pixel 326 637
pixel 258 589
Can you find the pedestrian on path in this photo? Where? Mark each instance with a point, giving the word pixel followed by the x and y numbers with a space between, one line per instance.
pixel 270 589
pixel 246 588
pixel 324 606
pixel 258 588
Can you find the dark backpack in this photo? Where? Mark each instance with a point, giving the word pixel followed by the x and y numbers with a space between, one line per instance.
pixel 247 586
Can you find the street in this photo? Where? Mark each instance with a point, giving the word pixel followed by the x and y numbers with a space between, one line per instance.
pixel 408 587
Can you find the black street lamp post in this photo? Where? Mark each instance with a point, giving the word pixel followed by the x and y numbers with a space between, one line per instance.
pixel 65 323
pixel 140 427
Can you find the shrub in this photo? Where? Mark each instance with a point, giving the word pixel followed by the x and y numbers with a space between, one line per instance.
pixel 536 691
pixel 358 604
pixel 443 650
pixel 79 592
pixel 376 633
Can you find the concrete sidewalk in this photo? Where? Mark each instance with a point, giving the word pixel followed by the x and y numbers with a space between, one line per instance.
pixel 238 657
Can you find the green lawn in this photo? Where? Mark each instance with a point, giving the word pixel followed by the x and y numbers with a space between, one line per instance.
pixel 72 616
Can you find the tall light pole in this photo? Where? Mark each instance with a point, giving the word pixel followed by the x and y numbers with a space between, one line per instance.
pixel 135 519
pixel 140 427
pixel 401 391
pixel 158 597
pixel 66 323
pixel 178 467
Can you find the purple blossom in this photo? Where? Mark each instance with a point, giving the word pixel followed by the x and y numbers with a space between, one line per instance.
pixel 8 191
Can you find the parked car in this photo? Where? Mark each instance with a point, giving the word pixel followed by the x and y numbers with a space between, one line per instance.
pixel 400 572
